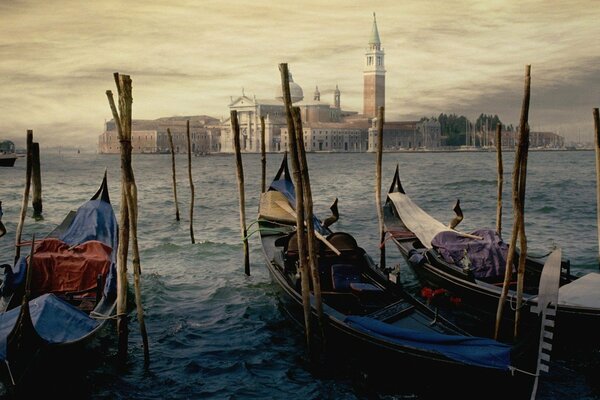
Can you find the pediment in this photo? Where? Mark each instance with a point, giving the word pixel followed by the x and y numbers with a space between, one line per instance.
pixel 242 101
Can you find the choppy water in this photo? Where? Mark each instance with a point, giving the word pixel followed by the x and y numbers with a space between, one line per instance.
pixel 215 333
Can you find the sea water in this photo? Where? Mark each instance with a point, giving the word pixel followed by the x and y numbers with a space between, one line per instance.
pixel 216 333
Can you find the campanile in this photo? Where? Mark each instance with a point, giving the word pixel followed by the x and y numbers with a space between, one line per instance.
pixel 374 75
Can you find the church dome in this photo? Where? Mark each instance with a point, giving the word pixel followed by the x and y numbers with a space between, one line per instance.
pixel 296 92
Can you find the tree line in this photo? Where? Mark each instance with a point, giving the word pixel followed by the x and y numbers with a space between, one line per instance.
pixel 454 127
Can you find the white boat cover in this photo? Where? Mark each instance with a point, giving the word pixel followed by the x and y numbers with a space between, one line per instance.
pixel 423 225
pixel 582 292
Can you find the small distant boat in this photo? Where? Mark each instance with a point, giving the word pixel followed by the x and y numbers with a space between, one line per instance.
pixel 471 267
pixel 372 319
pixel 8 156
pixel 71 294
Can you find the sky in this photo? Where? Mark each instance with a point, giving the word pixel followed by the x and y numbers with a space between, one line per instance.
pixel 188 57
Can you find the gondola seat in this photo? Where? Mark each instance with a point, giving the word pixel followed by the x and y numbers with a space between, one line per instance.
pixel 343 275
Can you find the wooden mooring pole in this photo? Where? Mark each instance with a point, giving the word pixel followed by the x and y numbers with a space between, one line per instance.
pixel 518 230
pixel 597 149
pixel 500 178
pixel 189 151
pixel 25 202
pixel 309 221
pixel 300 231
pixel 240 181
pixel 174 175
pixel 380 121
pixel 127 219
pixel 36 181
pixel 263 158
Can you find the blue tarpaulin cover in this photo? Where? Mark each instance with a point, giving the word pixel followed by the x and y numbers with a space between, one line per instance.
pixel 55 321
pixel 476 351
pixel 487 256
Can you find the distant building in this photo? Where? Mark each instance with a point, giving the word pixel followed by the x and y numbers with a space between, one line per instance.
pixel 546 140
pixel 327 126
pixel 150 136
pixel 250 110
pixel 406 135
pixel 332 137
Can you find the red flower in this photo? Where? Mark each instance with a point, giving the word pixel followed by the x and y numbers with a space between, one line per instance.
pixel 427 292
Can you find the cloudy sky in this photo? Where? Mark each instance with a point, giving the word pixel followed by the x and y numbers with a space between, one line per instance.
pixel 187 57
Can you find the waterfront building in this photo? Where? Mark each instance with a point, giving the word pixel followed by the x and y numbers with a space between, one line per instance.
pixel 250 109
pixel 332 137
pixel 150 136
pixel 327 126
pixel 406 135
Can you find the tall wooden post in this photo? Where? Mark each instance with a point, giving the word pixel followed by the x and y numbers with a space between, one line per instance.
pixel 500 178
pixel 123 248
pixel 380 121
pixel 297 178
pixel 263 158
pixel 25 202
pixel 240 181
pixel 36 181
pixel 308 217
pixel 174 176
pixel 128 219
pixel 524 126
pixel 518 231
pixel 597 147
pixel 189 151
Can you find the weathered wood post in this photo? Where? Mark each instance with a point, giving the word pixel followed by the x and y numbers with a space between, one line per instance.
pixel 36 181
pixel 297 179
pixel 597 147
pixel 518 194
pixel 174 176
pixel 189 151
pixel 500 178
pixel 240 181
pixel 380 121
pixel 25 202
pixel 128 218
pixel 524 124
pixel 308 217
pixel 123 248
pixel 263 158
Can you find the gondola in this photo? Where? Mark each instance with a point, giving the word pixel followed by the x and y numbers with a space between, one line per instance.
pixel 62 299
pixel 470 266
pixel 373 320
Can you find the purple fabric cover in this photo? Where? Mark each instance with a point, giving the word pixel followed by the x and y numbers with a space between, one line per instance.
pixel 487 256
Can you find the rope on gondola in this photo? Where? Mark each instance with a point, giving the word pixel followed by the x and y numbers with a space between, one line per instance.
pixel 97 315
pixel 275 230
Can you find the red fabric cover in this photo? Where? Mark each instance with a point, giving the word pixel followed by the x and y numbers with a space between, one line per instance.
pixel 59 269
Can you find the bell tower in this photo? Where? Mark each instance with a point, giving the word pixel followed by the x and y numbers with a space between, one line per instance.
pixel 374 75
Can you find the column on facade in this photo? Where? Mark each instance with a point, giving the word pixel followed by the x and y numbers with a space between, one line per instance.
pixel 249 130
